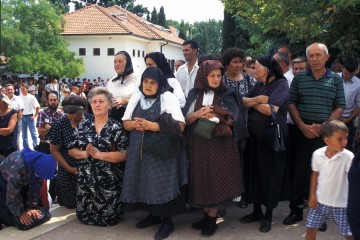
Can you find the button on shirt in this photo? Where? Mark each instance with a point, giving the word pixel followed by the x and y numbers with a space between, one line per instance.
pixel 352 95
pixel 332 188
pixel 185 78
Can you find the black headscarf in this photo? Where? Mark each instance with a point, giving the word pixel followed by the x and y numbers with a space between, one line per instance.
pixel 128 67
pixel 273 66
pixel 157 75
pixel 161 62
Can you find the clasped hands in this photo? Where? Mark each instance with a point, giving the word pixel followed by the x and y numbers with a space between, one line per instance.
pixel 205 112
pixel 26 217
pixel 141 124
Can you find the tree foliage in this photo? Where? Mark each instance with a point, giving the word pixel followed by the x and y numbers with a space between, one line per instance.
pixel 333 22
pixel 233 33
pixel 129 5
pixel 208 36
pixel 30 38
pixel 162 17
pixel 154 16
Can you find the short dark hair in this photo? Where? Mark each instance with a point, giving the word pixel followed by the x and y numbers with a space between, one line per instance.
pixel 74 104
pixel 231 53
pixel 351 64
pixel 192 43
pixel 331 126
pixel 205 57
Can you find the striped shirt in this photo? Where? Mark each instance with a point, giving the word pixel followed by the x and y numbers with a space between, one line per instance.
pixel 314 99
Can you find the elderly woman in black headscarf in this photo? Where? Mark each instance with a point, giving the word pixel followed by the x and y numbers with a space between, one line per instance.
pixel 21 177
pixel 122 85
pixel 156 168
pixel 214 158
pixel 157 59
pixel 265 167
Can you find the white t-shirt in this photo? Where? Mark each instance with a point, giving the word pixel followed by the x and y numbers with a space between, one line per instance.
pixel 30 103
pixel 16 103
pixel 332 188
pixel 185 78
pixel 168 102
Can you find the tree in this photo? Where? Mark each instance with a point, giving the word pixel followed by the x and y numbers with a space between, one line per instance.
pixel 154 16
pixel 208 36
pixel 233 33
pixel 182 30
pixel 334 22
pixel 30 38
pixel 162 17
pixel 62 4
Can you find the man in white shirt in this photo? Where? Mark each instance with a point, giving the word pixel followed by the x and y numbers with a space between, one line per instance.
pixel 186 73
pixel 15 103
pixel 31 111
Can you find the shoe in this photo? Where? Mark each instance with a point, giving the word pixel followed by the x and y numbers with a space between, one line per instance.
pixel 200 224
pixel 148 221
pixel 265 226
pixel 243 204
pixel 293 218
pixel 164 231
pixel 254 217
pixel 323 227
pixel 210 227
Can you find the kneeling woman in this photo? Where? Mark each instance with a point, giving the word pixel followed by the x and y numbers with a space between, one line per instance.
pixel 100 145
pixel 154 179
pixel 21 177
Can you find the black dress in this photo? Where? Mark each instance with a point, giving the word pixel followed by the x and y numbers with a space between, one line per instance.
pixel 99 182
pixel 63 135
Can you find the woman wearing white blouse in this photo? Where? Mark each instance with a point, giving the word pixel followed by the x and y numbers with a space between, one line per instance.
pixel 123 85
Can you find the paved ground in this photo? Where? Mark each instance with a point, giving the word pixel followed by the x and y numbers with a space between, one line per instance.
pixel 65 225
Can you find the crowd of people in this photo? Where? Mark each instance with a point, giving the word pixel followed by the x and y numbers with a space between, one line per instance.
pixel 217 131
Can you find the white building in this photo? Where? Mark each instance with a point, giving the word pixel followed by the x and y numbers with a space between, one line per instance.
pixel 96 33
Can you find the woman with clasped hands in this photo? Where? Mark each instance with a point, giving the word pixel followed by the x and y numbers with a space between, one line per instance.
pixel 215 173
pixel 100 145
pixel 155 175
pixel 264 168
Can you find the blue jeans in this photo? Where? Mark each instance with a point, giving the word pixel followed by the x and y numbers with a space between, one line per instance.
pixel 28 123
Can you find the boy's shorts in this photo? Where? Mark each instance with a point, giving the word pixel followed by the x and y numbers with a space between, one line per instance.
pixel 317 217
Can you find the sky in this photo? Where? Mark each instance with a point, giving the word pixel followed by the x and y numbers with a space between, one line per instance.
pixel 188 10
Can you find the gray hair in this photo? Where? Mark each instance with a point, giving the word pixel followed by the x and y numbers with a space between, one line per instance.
pixel 321 45
pixel 98 91
pixel 283 57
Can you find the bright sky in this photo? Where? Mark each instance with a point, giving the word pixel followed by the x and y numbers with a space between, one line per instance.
pixel 188 10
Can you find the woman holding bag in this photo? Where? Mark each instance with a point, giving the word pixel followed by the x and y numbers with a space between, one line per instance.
pixel 214 158
pixel 265 168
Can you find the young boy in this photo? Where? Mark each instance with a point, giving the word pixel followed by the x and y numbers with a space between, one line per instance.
pixel 329 184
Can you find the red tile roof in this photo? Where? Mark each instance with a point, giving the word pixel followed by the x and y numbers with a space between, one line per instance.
pixel 97 20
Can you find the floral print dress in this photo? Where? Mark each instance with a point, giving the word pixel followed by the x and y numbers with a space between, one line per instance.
pixel 99 182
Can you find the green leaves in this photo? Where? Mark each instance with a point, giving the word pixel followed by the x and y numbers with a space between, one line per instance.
pixel 302 21
pixel 31 39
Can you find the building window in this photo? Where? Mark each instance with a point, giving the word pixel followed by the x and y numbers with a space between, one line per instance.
pixel 111 51
pixel 143 53
pixel 82 51
pixel 96 51
pixel 133 52
pixel 172 65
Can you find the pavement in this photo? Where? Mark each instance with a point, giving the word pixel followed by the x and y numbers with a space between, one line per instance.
pixel 65 225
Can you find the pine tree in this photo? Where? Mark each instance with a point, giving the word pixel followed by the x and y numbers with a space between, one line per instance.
pixel 162 17
pixel 154 16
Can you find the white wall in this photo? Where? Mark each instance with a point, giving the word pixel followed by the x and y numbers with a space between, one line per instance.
pixel 102 66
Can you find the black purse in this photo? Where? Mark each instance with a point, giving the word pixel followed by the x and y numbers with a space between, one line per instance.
pixel 273 136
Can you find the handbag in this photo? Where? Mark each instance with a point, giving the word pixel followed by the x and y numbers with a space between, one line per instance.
pixel 273 136
pixel 204 128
